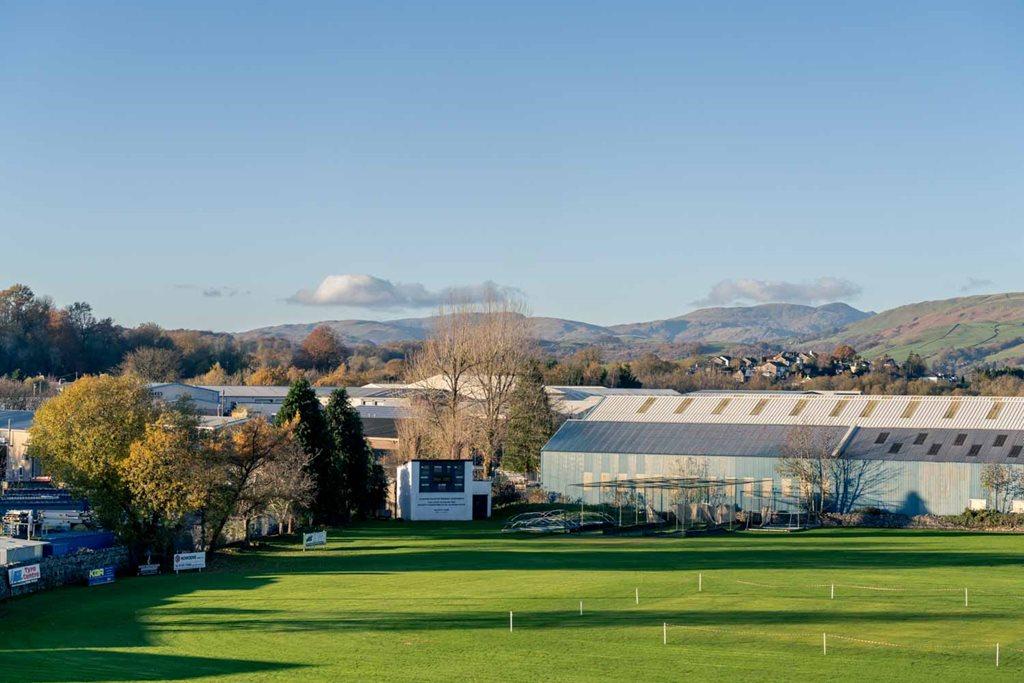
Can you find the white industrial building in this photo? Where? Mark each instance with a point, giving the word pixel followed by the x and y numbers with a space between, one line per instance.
pixel 223 399
pixel 442 490
pixel 908 454
pixel 15 462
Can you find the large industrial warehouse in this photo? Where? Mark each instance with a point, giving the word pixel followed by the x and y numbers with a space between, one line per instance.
pixel 925 453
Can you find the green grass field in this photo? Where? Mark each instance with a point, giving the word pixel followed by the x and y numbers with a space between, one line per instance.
pixel 420 602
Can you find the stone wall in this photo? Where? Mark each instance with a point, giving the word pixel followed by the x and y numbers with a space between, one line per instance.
pixel 66 570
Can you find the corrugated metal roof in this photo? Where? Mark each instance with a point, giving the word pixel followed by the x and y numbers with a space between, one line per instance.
pixel 579 393
pixel 937 445
pixel 587 436
pixel 245 391
pixel 388 412
pixel 707 439
pixel 933 412
pixel 380 428
pixel 18 419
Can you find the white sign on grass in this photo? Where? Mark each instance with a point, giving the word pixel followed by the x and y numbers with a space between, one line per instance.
pixel 314 539
pixel 189 561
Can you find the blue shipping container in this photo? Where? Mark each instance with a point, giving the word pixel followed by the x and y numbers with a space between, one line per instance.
pixel 73 541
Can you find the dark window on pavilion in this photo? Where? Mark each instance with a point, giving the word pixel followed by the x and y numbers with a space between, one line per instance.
pixel 975 449
pixel 1000 441
pixel 934 449
pixel 1015 451
pixel 960 440
pixel 895 448
pixel 882 437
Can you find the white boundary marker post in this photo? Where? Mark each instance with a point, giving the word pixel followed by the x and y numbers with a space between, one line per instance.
pixel 832 595
pixel 510 621
pixel 581 608
pixel 664 639
pixel 824 644
pixel 637 594
pixel 997 655
pixel 965 597
pixel 700 582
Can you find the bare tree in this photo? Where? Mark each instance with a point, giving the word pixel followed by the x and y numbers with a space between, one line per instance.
pixel 831 479
pixel 290 485
pixel 445 367
pixel 1004 482
pixel 808 457
pixel 503 345
pixel 467 371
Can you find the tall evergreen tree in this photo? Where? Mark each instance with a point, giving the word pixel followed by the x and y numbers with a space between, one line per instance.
pixel 311 431
pixel 354 455
pixel 623 378
pixel 531 422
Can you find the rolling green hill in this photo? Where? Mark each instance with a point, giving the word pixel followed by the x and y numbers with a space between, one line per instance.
pixel 984 328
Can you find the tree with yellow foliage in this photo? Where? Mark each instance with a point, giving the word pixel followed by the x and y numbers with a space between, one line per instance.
pixel 83 438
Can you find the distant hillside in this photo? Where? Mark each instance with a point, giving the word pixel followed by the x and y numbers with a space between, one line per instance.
pixel 740 325
pixel 350 331
pixel 987 328
pixel 747 324
pixel 414 329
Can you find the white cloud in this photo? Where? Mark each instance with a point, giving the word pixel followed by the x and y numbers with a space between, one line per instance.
pixel 973 284
pixel 366 291
pixel 747 290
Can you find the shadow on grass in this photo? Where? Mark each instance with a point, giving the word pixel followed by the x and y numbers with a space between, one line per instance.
pixel 474 619
pixel 75 664
pixel 62 635
pixel 611 559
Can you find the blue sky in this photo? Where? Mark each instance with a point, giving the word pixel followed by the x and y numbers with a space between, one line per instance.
pixel 210 164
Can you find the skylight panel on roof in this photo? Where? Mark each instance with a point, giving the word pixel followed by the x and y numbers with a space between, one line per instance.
pixel 759 407
pixel 895 447
pixel 960 439
pixel 645 406
pixel 993 412
pixel 911 408
pixel 934 449
pixel 920 438
pixel 683 405
pixel 1015 451
pixel 869 408
pixel 720 408
pixel 1000 440
pixel 838 408
pixel 799 407
pixel 975 449
pixel 951 411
